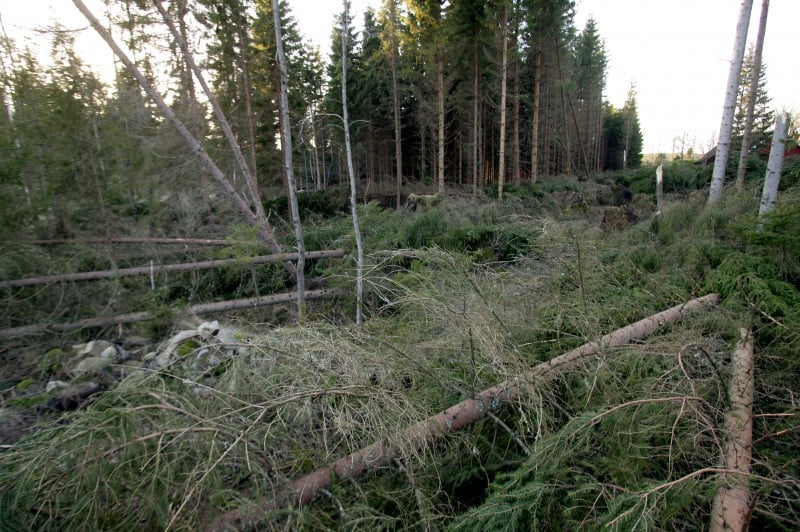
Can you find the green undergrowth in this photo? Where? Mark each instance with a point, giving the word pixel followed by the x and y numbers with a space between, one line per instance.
pixel 459 298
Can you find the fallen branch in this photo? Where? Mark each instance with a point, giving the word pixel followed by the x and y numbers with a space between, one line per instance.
pixel 379 454
pixel 128 240
pixel 731 507
pixel 202 308
pixel 165 268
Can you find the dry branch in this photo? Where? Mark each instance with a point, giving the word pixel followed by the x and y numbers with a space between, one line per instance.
pixel 731 507
pixel 379 454
pixel 166 268
pixel 202 308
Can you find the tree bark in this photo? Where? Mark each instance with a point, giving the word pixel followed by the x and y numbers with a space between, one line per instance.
pixel 440 77
pixel 351 174
pixel 501 169
pixel 729 108
pixel 166 268
pixel 475 121
pixel 202 308
pixel 751 104
pixel 379 454
pixel 537 83
pixel 660 189
pixel 769 196
pixel 286 143
pixel 398 137
pixel 731 507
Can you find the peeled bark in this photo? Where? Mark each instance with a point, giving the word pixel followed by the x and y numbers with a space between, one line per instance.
pixel 380 454
pixel 751 104
pixel 729 108
pixel 769 196
pixel 731 507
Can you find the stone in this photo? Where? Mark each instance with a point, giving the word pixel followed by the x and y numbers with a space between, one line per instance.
pixel 90 366
pixel 55 385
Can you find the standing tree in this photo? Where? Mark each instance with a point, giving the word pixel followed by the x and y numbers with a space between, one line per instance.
pixel 501 172
pixel 286 142
pixel 756 93
pixel 729 108
pixel 398 135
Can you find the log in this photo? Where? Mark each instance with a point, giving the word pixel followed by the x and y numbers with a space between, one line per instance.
pixel 182 267
pixel 380 454
pixel 731 507
pixel 202 308
pixel 129 240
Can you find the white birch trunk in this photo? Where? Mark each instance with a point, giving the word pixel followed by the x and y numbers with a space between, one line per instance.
pixel 769 196
pixel 353 199
pixel 729 107
pixel 286 138
pixel 751 104
pixel 660 189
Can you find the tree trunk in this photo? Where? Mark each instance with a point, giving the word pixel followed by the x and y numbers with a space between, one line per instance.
pixel 286 142
pixel 353 198
pixel 398 137
pixel 729 108
pixel 475 122
pixel 660 189
pixel 501 167
pixel 751 104
pixel 515 149
pixel 202 308
pixel 537 84
pixel 731 507
pixel 381 453
pixel 440 77
pixel 769 196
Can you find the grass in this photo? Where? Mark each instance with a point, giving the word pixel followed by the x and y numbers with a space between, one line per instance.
pixel 459 298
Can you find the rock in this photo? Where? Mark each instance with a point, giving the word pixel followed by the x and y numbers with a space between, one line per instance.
pixel 208 329
pixel 75 396
pixel 91 366
pixel 95 348
pixel 53 362
pixel 165 356
pixel 55 385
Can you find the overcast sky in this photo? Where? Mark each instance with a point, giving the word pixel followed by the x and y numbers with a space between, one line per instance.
pixel 677 52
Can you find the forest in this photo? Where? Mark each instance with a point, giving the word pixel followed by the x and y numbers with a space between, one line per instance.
pixel 426 282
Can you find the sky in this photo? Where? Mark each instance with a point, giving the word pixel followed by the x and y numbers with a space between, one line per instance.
pixel 676 52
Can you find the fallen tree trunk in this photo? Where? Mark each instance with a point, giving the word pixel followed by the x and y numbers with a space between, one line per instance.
pixel 182 267
pixel 379 454
pixel 201 308
pixel 731 507
pixel 129 240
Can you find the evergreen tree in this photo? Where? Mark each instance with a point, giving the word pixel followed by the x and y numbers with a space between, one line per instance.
pixel 764 116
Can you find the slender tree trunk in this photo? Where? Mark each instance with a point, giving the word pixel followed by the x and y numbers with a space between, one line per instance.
pixel 353 201
pixel 286 142
pixel 751 104
pixel 537 83
pixel 769 196
pixel 398 137
pixel 515 150
pixel 248 106
pixel 729 108
pixel 475 122
pixel 440 68
pixel 501 167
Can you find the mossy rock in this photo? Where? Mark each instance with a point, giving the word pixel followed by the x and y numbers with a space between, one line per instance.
pixel 53 362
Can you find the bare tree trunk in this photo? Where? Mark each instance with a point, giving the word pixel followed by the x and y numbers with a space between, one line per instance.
pixel 440 67
pixel 769 196
pixel 537 83
pixel 660 189
pixel 475 124
pixel 751 104
pixel 731 507
pixel 398 136
pixel 286 142
pixel 379 454
pixel 515 150
pixel 729 108
pixel 501 169
pixel 353 199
